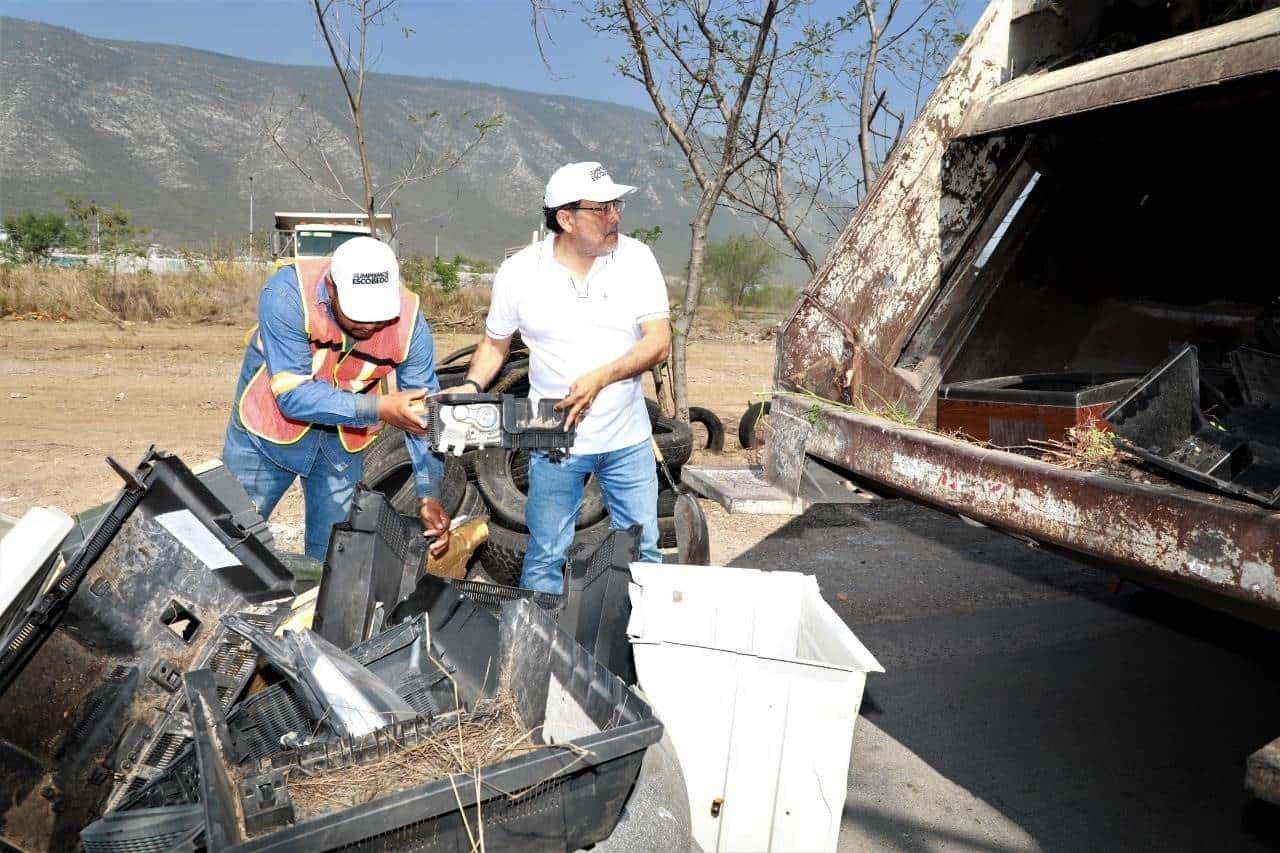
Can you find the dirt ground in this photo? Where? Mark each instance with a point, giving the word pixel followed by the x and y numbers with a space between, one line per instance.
pixel 74 393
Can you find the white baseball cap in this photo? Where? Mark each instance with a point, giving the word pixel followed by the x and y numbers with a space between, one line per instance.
pixel 582 182
pixel 367 276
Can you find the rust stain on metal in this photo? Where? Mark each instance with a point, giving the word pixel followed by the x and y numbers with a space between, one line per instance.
pixel 888 264
pixel 826 358
pixel 1208 57
pixel 1229 547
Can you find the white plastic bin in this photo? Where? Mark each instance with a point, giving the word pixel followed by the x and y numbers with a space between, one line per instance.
pixel 758 683
pixel 25 549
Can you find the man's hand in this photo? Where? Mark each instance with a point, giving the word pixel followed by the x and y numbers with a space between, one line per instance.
pixel 436 521
pixel 582 393
pixel 396 409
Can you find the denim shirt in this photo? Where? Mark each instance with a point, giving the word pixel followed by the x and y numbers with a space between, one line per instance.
pixel 280 316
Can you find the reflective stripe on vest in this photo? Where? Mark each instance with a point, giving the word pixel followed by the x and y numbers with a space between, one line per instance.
pixel 360 371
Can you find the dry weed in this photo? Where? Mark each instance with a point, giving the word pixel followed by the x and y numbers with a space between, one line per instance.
pixel 463 310
pixel 37 292
pixel 226 294
pixel 492 733
pixel 1089 448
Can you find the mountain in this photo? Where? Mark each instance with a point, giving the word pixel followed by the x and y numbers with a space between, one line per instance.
pixel 174 136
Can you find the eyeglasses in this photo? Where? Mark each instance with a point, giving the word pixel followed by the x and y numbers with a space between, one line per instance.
pixel 604 209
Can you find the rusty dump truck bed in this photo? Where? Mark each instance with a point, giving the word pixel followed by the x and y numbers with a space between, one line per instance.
pixel 1072 198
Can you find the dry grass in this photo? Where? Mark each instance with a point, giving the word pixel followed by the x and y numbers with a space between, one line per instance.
pixel 36 292
pixel 227 294
pixel 490 734
pixel 717 314
pixel 463 310
pixel 888 410
pixel 1087 448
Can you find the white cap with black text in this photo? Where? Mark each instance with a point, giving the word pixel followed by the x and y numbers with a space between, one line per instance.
pixel 582 182
pixel 367 276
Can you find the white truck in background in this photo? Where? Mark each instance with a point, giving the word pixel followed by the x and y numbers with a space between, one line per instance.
pixel 309 235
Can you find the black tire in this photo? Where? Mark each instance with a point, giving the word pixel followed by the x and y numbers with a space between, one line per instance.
pixel 673 437
pixel 472 504
pixel 666 503
pixel 513 381
pixel 388 468
pixel 457 355
pixel 384 462
pixel 751 428
pixel 676 444
pixel 512 378
pixel 667 533
pixel 469 465
pixel 502 557
pixel 503 480
pixel 452 489
pixel 715 429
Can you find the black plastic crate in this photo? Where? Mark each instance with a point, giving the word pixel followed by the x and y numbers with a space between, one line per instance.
pixel 1160 420
pixel 378 547
pixel 144 831
pixel 96 667
pixel 233 662
pixel 491 596
pixel 595 606
pixel 373 560
pixel 550 799
pixel 400 656
pixel 599 599
pixel 1258 375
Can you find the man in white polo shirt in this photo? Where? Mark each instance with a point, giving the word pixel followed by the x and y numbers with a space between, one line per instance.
pixel 591 305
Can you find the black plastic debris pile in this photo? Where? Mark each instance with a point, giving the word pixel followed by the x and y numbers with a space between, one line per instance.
pixel 1216 428
pixel 151 702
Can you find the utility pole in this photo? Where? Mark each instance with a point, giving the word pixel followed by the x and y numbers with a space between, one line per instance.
pixel 251 219
pixel 97 230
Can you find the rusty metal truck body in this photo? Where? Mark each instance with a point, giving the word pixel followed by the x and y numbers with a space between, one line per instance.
pixel 1079 194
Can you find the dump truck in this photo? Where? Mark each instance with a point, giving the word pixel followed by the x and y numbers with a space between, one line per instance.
pixel 309 234
pixel 1062 240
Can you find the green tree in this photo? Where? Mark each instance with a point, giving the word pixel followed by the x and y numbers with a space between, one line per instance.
pixel 83 217
pixel 34 236
pixel 445 274
pixel 118 237
pixel 740 267
pixel 463 262
pixel 648 236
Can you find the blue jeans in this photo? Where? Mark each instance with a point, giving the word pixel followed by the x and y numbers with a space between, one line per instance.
pixel 326 488
pixel 629 480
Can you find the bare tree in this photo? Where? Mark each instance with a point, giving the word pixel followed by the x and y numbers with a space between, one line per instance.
pixel 832 124
pixel 761 100
pixel 884 48
pixel 803 162
pixel 346 26
pixel 701 63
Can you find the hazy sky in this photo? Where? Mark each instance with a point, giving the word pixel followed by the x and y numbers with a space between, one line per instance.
pixel 487 41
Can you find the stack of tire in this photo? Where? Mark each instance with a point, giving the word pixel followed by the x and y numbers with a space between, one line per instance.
pixel 495 482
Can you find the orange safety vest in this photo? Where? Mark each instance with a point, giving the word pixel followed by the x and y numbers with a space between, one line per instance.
pixel 360 371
